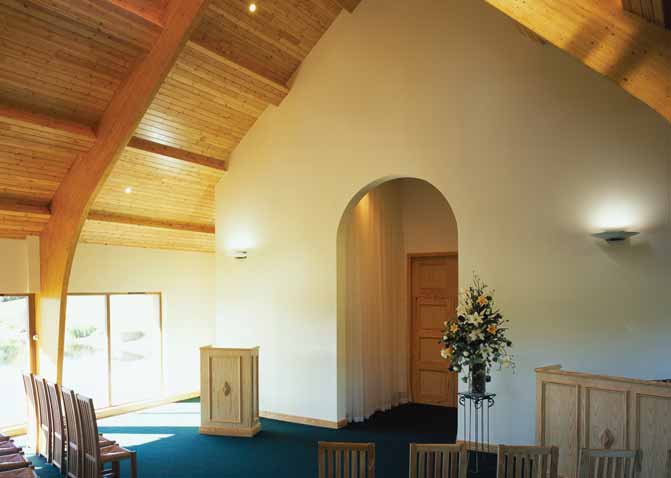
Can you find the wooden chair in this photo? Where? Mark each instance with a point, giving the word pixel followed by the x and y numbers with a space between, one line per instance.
pixel 26 472
pixel 94 458
pixel 438 461
pixel 31 398
pixel 527 462
pixel 608 463
pixel 9 448
pixel 44 428
pixel 57 425
pixel 346 460
pixel 13 462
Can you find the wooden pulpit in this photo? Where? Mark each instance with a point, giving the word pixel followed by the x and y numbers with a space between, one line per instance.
pixel 229 391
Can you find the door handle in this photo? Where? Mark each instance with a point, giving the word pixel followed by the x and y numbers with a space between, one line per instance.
pixel 227 389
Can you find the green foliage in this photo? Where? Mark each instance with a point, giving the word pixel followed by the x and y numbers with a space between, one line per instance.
pixel 76 351
pixel 82 332
pixel 9 351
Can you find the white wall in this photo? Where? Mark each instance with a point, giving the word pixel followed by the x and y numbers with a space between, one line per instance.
pixel 533 152
pixel 186 281
pixel 13 266
pixel 429 224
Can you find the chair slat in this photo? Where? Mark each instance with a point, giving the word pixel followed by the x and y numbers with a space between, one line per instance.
pixel 438 460
pixel 527 462
pixel 608 463
pixel 346 460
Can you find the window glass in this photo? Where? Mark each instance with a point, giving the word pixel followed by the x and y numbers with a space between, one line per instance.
pixel 14 358
pixel 136 347
pixel 85 365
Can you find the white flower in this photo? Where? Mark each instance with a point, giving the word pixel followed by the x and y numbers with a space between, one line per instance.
pixel 466 353
pixel 476 335
pixel 507 361
pixel 462 310
pixel 445 353
pixel 474 319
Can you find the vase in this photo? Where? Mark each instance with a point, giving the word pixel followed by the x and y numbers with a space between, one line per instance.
pixel 478 379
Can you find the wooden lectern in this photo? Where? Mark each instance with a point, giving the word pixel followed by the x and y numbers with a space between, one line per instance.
pixel 229 391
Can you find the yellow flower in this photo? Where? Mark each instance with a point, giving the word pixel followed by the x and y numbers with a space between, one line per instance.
pixel 482 300
pixel 491 329
pixel 446 353
pixel 454 327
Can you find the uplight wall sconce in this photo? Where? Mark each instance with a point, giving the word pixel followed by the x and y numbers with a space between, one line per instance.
pixel 615 236
pixel 239 254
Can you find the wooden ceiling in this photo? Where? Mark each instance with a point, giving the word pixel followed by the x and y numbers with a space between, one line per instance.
pixel 62 63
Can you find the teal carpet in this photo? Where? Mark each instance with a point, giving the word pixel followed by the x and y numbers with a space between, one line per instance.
pixel 168 443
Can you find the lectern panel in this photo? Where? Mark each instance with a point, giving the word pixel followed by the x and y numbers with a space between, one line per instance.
pixel 226 388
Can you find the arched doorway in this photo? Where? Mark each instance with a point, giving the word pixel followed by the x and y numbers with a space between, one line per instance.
pixel 397 285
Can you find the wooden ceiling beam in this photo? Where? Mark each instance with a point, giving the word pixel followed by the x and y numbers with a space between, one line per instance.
pixel 625 48
pixel 279 90
pixel 74 197
pixel 11 115
pixel 13 207
pixel 141 144
pixel 148 222
pixel 154 16
pixel 349 5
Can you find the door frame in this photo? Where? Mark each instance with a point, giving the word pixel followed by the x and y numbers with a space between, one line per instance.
pixel 410 305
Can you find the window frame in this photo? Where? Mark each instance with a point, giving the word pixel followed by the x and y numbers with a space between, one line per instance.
pixel 108 326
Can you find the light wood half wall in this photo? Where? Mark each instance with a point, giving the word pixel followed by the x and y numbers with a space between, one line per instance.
pixel 624 47
pixel 79 188
pixel 580 410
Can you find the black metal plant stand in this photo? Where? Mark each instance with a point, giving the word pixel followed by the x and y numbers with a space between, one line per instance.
pixel 476 419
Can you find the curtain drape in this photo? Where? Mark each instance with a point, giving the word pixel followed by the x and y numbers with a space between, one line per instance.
pixel 374 301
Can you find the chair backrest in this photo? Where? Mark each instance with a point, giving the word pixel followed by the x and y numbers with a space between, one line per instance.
pixel 33 413
pixel 89 438
pixel 44 420
pixel 57 428
pixel 346 460
pixel 438 461
pixel 74 432
pixel 527 462
pixel 608 463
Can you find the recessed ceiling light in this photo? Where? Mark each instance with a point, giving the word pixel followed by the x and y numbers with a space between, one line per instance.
pixel 128 190
pixel 252 7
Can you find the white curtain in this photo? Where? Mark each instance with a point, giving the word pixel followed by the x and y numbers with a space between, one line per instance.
pixel 376 326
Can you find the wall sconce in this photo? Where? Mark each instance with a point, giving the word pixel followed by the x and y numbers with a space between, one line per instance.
pixel 239 254
pixel 615 236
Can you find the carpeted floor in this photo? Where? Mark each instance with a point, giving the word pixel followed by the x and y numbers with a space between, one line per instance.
pixel 168 443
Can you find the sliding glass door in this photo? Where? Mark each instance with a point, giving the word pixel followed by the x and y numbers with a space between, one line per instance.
pixel 15 337
pixel 86 356
pixel 113 347
pixel 136 347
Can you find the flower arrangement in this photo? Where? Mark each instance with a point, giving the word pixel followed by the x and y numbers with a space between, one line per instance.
pixel 477 338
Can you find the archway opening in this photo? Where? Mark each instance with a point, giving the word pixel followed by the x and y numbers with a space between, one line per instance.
pixel 397 285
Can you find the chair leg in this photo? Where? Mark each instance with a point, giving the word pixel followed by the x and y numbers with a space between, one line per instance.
pixel 116 469
pixel 133 465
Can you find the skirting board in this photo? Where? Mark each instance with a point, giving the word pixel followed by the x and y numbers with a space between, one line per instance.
pixel 314 422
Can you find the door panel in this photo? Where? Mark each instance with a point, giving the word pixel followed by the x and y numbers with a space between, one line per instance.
pixel 434 300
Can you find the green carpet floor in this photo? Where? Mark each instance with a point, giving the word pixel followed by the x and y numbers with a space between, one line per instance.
pixel 168 443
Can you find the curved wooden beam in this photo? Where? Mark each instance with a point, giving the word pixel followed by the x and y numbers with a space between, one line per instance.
pixel 623 47
pixel 73 199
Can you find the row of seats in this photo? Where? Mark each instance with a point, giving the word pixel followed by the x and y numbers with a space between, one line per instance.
pixel 67 433
pixel 13 464
pixel 357 460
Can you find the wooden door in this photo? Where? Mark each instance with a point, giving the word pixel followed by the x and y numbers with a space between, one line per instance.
pixel 434 297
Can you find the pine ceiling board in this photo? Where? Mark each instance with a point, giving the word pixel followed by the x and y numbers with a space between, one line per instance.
pixel 224 37
pixel 97 232
pixel 215 76
pixel 104 16
pixel 163 188
pixel 53 65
